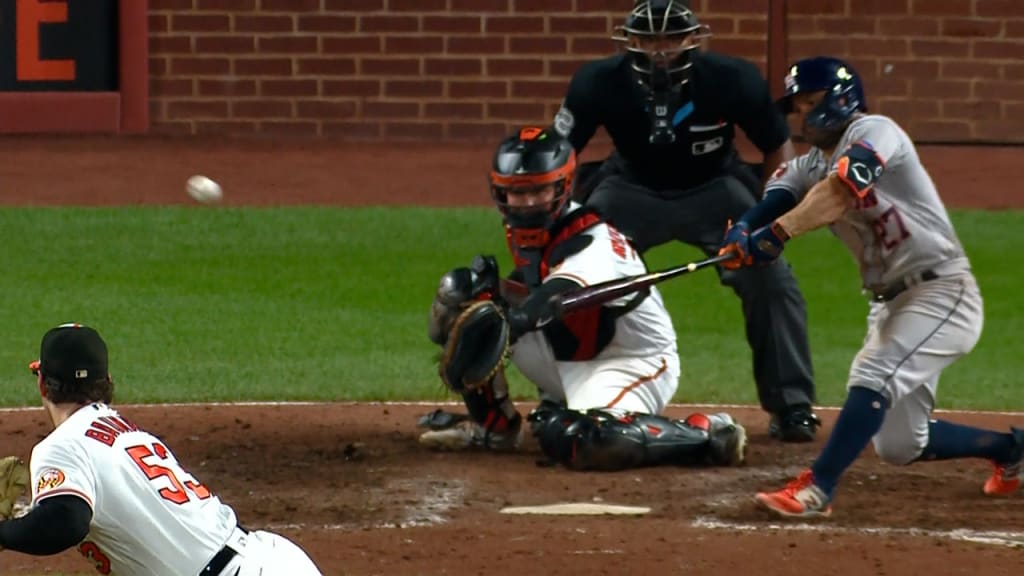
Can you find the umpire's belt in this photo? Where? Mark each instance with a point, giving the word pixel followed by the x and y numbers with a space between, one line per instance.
pixel 893 290
pixel 226 554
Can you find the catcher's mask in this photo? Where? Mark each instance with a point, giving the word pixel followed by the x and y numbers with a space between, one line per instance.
pixel 531 182
pixel 842 97
pixel 660 37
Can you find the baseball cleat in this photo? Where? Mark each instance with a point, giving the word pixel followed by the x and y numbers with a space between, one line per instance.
pixel 468 434
pixel 801 498
pixel 796 424
pixel 1006 477
pixel 728 440
pixel 458 437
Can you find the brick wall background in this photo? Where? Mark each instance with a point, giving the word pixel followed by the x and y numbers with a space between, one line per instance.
pixel 950 70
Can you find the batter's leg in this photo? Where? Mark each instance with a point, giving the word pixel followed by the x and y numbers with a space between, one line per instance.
pixel 909 344
pixel 910 435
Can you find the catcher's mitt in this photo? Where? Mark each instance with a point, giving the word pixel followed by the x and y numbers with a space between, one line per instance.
pixel 476 348
pixel 14 480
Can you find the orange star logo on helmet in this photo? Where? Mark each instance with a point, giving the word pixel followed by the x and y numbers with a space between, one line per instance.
pixel 530 133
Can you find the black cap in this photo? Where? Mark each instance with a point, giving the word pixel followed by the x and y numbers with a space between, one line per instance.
pixel 72 353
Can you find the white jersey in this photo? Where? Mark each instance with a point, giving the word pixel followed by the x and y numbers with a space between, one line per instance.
pixel 901 226
pixel 150 516
pixel 638 370
pixel 644 331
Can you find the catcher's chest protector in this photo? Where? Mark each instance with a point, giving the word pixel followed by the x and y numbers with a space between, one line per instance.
pixel 566 240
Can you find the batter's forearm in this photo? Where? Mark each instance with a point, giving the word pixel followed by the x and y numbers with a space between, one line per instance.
pixel 827 201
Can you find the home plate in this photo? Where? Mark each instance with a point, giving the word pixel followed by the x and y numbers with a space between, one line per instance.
pixel 578 509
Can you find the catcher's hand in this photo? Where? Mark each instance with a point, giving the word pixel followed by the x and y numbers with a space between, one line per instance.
pixel 14 480
pixel 476 348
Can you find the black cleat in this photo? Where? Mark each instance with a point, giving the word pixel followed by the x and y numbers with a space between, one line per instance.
pixel 441 419
pixel 795 424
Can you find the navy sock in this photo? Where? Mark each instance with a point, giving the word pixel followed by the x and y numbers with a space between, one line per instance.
pixel 947 440
pixel 860 419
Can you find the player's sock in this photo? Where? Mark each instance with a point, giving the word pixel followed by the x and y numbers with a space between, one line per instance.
pixel 860 419
pixel 947 440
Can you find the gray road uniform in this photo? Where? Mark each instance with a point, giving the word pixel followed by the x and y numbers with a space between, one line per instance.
pixel 926 309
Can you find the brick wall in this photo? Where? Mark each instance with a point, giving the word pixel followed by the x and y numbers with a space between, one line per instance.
pixel 949 70
pixel 469 69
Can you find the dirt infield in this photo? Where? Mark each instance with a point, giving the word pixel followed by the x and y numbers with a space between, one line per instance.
pixel 350 483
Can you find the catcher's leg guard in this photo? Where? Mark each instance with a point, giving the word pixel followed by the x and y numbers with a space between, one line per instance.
pixel 496 418
pixel 602 439
pixel 492 422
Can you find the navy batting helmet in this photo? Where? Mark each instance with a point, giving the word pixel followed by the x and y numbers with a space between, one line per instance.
pixel 844 93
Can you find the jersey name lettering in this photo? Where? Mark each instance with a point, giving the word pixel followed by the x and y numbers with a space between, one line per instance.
pixel 106 429
pixel 619 244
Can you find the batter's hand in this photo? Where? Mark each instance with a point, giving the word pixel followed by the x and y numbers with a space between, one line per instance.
pixel 766 243
pixel 736 241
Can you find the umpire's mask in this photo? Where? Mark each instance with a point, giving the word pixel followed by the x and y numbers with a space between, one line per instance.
pixel 660 37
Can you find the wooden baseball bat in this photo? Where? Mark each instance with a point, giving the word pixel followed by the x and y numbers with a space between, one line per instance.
pixel 603 292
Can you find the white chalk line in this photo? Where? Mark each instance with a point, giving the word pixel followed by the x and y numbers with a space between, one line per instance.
pixel 992 538
pixel 450 403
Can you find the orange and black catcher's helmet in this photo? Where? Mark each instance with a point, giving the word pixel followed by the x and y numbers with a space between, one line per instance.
pixel 530 162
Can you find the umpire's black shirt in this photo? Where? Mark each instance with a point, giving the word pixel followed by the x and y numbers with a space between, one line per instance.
pixel 723 92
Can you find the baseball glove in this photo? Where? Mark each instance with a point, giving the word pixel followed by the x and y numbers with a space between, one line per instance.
pixel 476 348
pixel 14 480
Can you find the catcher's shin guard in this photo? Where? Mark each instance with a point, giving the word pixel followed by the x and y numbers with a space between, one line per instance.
pixel 604 439
pixel 496 416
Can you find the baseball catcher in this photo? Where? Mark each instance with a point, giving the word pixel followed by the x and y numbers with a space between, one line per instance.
pixel 604 373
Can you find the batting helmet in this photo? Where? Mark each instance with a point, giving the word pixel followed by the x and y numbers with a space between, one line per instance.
pixel 668 21
pixel 534 161
pixel 844 93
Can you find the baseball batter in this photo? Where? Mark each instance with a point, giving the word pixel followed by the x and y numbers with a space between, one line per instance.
pixel 864 179
pixel 605 372
pixel 117 492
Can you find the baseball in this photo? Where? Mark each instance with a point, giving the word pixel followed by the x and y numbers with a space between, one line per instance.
pixel 691 266
pixel 204 190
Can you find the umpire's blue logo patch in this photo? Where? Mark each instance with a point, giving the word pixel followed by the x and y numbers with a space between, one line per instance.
pixel 682 114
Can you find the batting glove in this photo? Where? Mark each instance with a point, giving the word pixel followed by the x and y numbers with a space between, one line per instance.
pixel 766 243
pixel 736 241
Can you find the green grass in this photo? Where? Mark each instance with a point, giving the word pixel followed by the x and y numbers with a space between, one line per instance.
pixel 320 303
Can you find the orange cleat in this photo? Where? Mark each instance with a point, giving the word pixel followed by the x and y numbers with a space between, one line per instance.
pixel 801 498
pixel 1006 477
